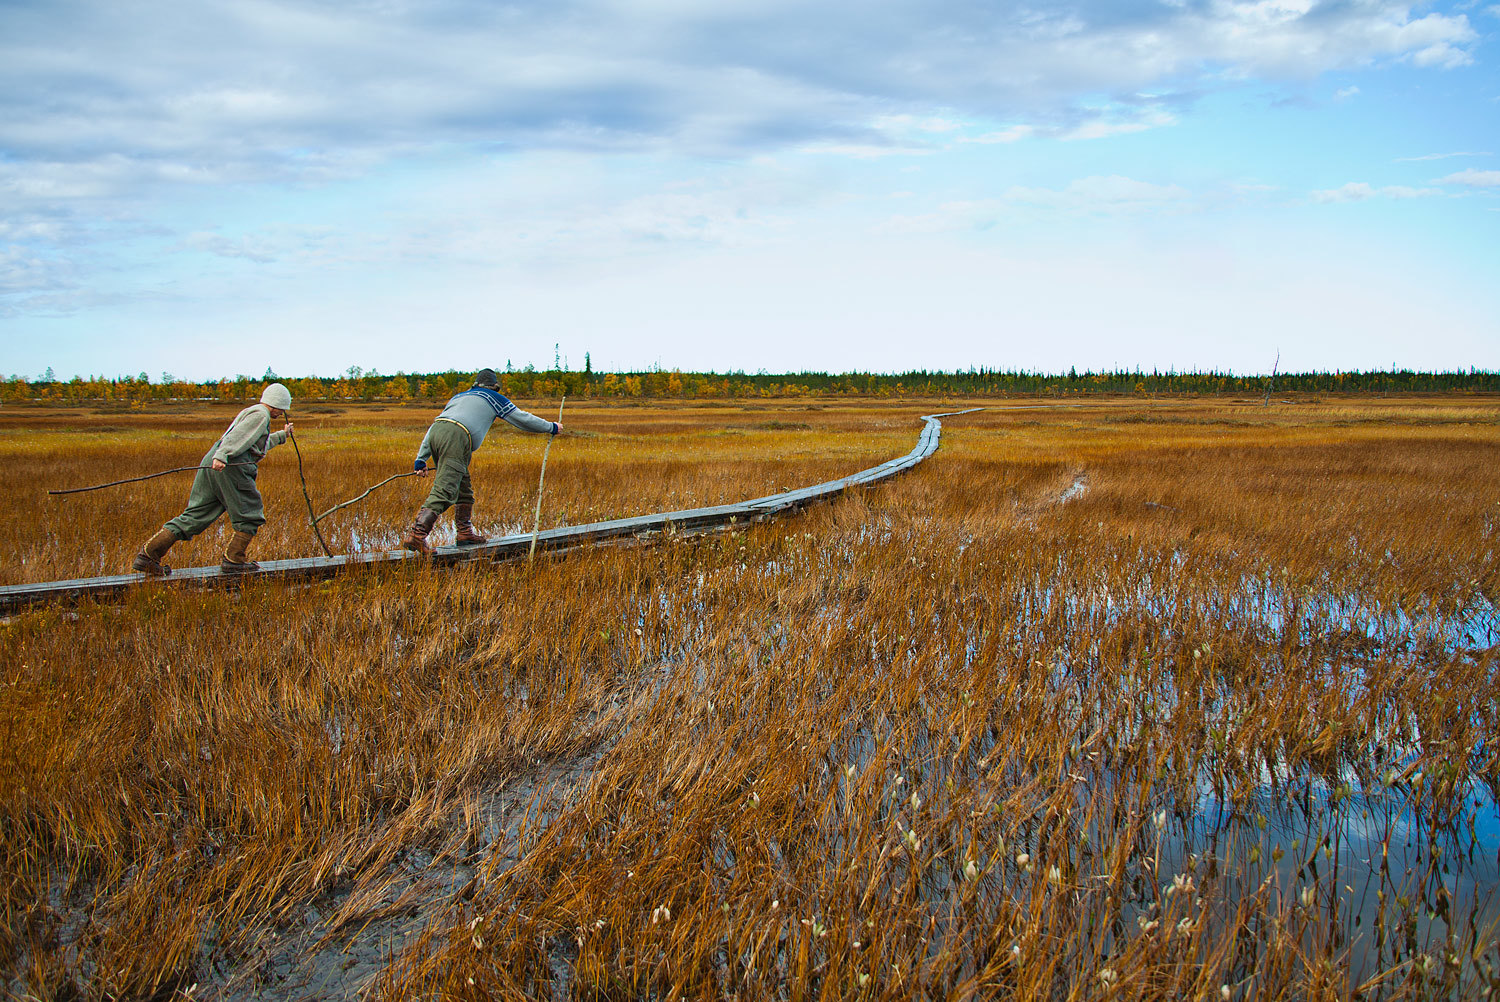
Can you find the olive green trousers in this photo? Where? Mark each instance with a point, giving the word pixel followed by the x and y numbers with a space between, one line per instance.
pixel 215 492
pixel 451 452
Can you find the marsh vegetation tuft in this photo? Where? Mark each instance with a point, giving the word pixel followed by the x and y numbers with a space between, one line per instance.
pixel 1138 699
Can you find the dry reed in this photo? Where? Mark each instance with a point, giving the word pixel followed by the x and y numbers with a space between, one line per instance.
pixel 1140 700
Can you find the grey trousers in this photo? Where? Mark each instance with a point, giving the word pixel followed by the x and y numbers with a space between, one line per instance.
pixel 215 492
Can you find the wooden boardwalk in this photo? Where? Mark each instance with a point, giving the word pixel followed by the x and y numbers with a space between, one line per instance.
pixel 13 597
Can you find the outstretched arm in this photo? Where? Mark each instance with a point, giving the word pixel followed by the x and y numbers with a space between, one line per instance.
pixel 527 421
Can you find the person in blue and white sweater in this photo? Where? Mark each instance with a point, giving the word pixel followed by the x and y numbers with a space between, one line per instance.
pixel 449 445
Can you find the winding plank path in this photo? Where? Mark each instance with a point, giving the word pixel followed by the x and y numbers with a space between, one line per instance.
pixel 13 597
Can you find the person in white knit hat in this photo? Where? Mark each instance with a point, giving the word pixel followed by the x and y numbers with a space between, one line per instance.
pixel 225 482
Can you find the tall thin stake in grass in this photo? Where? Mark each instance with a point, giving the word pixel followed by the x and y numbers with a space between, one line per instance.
pixel 536 523
pixel 312 519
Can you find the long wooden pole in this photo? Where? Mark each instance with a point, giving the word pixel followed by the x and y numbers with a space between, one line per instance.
pixel 132 480
pixel 311 519
pixel 536 524
pixel 345 504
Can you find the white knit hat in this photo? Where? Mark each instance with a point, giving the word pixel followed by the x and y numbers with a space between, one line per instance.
pixel 277 396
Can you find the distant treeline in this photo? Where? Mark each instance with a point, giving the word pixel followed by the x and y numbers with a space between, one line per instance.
pixel 358 384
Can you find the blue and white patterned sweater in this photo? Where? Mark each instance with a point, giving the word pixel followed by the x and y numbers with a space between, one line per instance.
pixel 476 410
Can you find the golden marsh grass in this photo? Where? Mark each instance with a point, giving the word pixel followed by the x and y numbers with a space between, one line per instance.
pixel 1138 699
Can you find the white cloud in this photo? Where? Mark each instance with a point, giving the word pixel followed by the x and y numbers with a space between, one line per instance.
pixel 1101 129
pixel 949 217
pixel 1112 193
pixel 1009 134
pixel 545 212
pixel 1095 124
pixel 1345 93
pixel 1296 40
pixel 22 270
pixel 1360 191
pixel 1089 196
pixel 1440 156
pixel 254 249
pixel 866 151
pixel 1473 178
pixel 294 88
pixel 915 123
pixel 183 120
pixel 1443 55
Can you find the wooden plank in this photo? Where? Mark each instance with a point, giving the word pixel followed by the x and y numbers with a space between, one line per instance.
pixel 13 597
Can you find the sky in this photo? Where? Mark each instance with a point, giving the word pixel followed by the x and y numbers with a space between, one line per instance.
pixel 229 186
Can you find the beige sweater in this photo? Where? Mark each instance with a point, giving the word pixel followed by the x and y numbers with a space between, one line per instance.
pixel 249 437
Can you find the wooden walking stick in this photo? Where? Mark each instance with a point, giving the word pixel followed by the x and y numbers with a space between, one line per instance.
pixel 345 504
pixel 536 525
pixel 311 519
pixel 149 476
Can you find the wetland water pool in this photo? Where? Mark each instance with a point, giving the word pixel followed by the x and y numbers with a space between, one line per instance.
pixel 1369 835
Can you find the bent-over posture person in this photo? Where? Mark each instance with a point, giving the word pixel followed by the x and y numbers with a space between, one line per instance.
pixel 225 482
pixel 449 444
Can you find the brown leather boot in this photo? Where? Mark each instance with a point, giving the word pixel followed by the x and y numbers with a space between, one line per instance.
pixel 416 536
pixel 148 561
pixel 462 513
pixel 235 559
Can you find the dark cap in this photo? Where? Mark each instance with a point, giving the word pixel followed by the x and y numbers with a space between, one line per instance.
pixel 486 377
